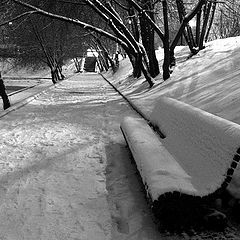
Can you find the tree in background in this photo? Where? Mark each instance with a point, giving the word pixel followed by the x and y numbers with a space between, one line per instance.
pixel 137 41
pixel 44 40
pixel 148 36
pixel 226 23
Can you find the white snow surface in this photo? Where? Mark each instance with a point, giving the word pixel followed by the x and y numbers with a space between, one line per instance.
pixel 65 170
pixel 203 144
pixel 52 172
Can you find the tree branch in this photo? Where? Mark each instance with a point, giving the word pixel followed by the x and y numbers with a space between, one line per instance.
pixel 184 23
pixel 121 5
pixel 150 21
pixel 17 17
pixel 72 21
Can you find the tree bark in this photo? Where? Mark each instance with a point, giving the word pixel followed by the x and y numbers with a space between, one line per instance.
pixel 211 19
pixel 198 27
pixel 186 19
pixel 166 61
pixel 3 94
pixel 204 26
pixel 133 23
pixel 77 64
pixel 147 33
pixel 188 35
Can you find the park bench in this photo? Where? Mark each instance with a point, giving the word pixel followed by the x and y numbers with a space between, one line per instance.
pixel 197 156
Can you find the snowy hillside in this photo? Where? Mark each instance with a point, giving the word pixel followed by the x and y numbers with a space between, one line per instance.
pixel 209 80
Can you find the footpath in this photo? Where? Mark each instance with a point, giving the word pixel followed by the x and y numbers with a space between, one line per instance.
pixel 23 97
pixel 53 161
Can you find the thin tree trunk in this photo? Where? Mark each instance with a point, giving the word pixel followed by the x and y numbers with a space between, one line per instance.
pixel 101 58
pixel 3 94
pixel 211 19
pixel 166 61
pixel 187 33
pixel 186 19
pixel 198 27
pixel 105 52
pixel 77 65
pixel 133 23
pixel 205 22
pixel 147 33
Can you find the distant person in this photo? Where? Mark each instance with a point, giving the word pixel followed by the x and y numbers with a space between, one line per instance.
pixel 3 94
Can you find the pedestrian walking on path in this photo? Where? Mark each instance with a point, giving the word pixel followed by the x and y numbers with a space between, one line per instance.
pixel 3 94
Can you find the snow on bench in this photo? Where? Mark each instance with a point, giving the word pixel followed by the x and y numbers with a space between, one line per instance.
pixel 197 157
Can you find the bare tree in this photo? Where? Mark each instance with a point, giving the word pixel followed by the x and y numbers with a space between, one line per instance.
pixel 114 27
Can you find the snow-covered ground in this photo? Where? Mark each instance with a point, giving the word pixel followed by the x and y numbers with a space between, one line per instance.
pixel 209 80
pixel 65 170
pixel 54 153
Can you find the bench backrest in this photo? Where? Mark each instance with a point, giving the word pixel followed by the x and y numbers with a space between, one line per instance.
pixel 205 145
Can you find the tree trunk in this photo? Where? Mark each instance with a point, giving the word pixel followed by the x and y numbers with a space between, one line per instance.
pixel 133 23
pixel 166 61
pixel 105 52
pixel 184 23
pixel 77 65
pixel 3 94
pixel 147 34
pixel 188 31
pixel 205 22
pixel 211 19
pixel 198 27
pixel 56 73
pixel 146 74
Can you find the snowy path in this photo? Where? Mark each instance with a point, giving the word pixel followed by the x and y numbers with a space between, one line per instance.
pixel 65 169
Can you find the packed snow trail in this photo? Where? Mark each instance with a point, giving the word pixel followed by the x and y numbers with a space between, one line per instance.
pixel 52 178
pixel 65 169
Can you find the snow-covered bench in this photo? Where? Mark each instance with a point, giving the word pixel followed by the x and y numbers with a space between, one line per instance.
pixel 198 156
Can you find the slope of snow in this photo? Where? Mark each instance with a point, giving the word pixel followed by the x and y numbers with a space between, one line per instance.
pixel 209 81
